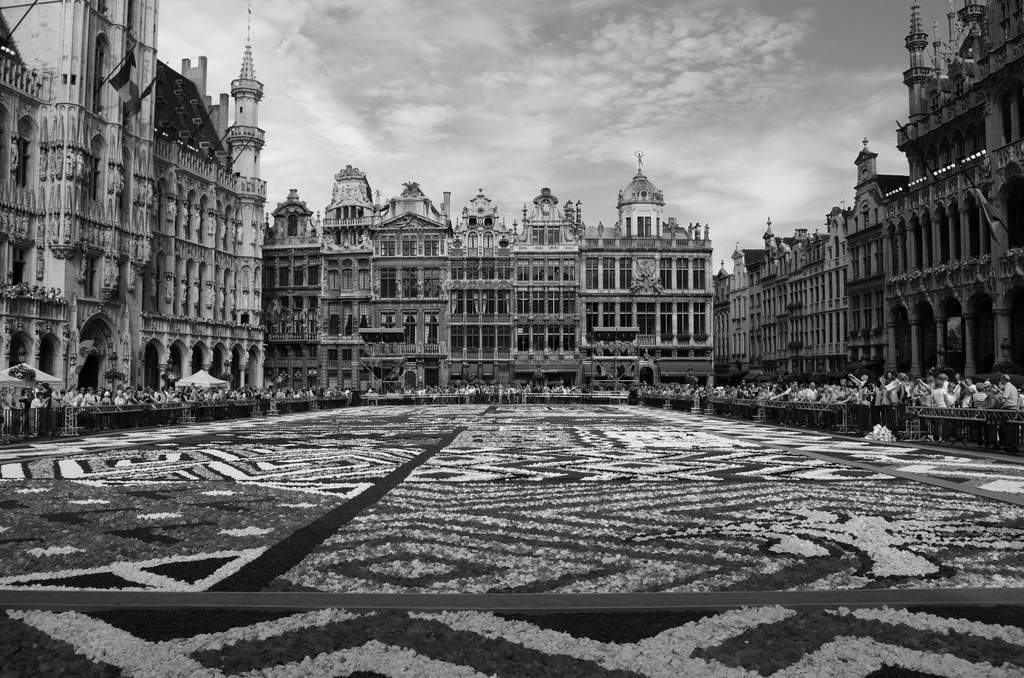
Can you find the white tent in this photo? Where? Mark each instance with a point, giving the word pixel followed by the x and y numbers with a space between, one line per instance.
pixel 201 378
pixel 6 379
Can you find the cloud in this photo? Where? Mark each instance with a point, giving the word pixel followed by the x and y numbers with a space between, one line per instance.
pixel 726 98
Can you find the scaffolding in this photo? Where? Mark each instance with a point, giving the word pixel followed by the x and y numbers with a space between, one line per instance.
pixel 378 356
pixel 617 367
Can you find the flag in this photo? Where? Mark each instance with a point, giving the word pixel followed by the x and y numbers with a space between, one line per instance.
pixel 134 106
pixel 995 223
pixel 124 82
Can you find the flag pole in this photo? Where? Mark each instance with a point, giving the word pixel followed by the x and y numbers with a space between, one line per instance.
pixel 115 69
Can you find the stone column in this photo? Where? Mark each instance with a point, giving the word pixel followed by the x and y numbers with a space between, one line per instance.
pixel 940 341
pixel 890 334
pixel 912 236
pixel 915 347
pixel 969 350
pixel 1003 317
pixel 986 233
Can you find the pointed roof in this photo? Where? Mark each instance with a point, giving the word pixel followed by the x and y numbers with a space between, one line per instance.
pixel 181 112
pixel 248 68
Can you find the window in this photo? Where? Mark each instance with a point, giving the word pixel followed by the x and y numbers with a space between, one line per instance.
pixel 314 276
pixel 503 301
pixel 666 318
pixel 299 276
pixel 683 318
pixel 489 337
pixel 387 247
pixel 408 248
pixel 568 270
pixel 593 317
pixel 333 320
pixel 410 283
pixel 699 274
pixel 683 274
pixel 625 314
pixel 472 301
pixel 591 274
pixel 568 301
pixel 283 276
pixel 608 274
pixel 409 325
pixel 490 301
pixel 431 324
pixel 92 270
pixel 643 227
pixel 293 225
pixel 458 302
pixel 472 337
pixel 388 283
pixel 700 318
pixel 364 274
pixel 608 317
pixel 504 338
pixel 522 271
pixel 19 265
pixel 665 273
pixel 387 319
pixel 458 337
pixel 458 270
pixel 625 273
pixel 629 227
pixel 269 277
pixel 432 282
pixel 645 317
pixel 431 248
pixel 99 67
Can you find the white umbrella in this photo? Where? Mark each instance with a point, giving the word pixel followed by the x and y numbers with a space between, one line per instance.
pixel 201 378
pixel 7 379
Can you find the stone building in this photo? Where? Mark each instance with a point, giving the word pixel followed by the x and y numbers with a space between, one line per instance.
pixel 546 317
pixel 92 269
pixel 481 295
pixel 292 278
pixel 647 294
pixel 953 243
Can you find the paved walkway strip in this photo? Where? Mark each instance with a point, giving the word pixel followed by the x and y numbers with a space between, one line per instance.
pixel 535 603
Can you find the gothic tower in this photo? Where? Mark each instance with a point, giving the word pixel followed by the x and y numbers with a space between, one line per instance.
pixel 246 139
pixel 917 77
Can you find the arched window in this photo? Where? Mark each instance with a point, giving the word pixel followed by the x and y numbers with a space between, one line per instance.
pixel 293 225
pixel 1005 117
pixel 24 153
pixel 99 73
pixel 94 171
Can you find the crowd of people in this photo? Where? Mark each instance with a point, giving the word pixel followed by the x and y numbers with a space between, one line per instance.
pixel 28 411
pixel 15 290
pixel 939 390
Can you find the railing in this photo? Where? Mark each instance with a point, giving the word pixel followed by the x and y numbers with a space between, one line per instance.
pixel 52 422
pixel 499 398
pixel 1002 429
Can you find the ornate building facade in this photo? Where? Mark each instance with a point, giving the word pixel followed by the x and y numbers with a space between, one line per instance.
pixel 412 298
pixel 92 288
pixel 954 237
pixel 652 276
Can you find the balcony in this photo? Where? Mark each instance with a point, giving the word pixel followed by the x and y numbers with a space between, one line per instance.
pixel 293 336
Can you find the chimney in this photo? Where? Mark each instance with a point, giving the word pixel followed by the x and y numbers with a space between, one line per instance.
pixel 197 74
pixel 579 211
pixel 447 203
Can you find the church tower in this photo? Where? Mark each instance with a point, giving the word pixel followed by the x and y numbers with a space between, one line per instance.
pixel 246 139
pixel 917 77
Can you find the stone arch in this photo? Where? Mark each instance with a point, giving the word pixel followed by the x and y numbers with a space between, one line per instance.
pixel 951 327
pixel 981 333
pixel 96 359
pixel 924 315
pixel 20 349
pixel 900 318
pixel 153 357
pixel 47 353
pixel 200 356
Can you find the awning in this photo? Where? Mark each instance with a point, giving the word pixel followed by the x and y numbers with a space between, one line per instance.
pixel 765 377
pixel 456 368
pixel 548 367
pixel 488 370
pixel 731 374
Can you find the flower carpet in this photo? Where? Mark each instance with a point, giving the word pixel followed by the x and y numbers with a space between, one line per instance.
pixel 549 500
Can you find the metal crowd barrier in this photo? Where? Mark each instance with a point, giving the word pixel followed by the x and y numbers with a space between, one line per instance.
pixel 51 422
pixel 968 426
pixel 513 398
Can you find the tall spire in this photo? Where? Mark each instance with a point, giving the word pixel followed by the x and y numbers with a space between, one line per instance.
pixel 916 25
pixel 248 69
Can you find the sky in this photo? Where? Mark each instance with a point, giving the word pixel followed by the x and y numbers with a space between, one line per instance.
pixel 744 110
